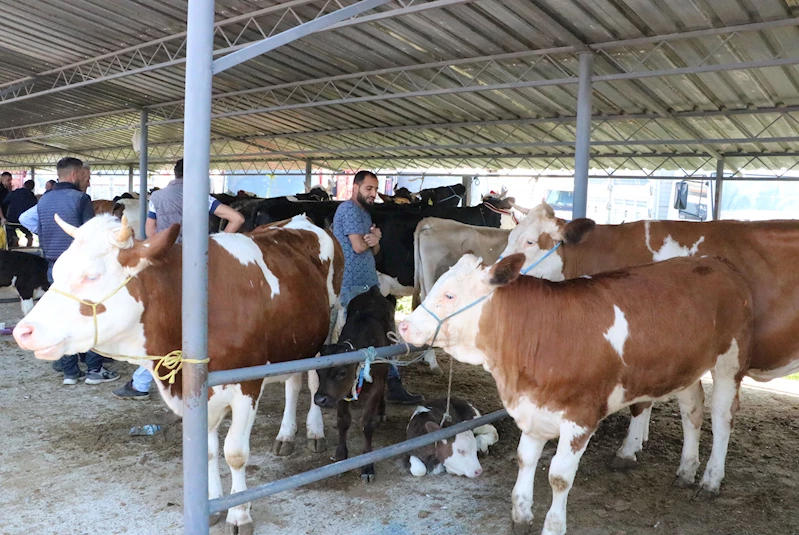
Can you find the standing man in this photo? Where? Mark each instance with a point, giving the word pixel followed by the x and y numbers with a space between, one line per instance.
pixel 360 240
pixel 165 210
pixel 16 203
pixel 49 185
pixel 68 199
pixel 5 189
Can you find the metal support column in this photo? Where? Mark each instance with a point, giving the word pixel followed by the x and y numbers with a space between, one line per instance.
pixel 142 174
pixel 308 174
pixel 196 150
pixel 719 185
pixel 582 144
pixel 467 183
pixel 130 178
pixel 33 174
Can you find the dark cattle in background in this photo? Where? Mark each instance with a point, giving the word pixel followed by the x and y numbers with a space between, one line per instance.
pixel 444 196
pixel 280 208
pixel 369 318
pixel 317 193
pixel 26 272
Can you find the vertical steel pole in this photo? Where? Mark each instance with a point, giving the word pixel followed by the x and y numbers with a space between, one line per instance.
pixel 467 182
pixel 33 174
pixel 582 143
pixel 130 177
pixel 719 185
pixel 142 175
pixel 308 174
pixel 196 150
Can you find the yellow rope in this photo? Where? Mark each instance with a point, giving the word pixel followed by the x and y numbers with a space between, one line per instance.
pixel 172 361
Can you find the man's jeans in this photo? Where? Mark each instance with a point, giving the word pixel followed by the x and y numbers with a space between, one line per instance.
pixel 348 293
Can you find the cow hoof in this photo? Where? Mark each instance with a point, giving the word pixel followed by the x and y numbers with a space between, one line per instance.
pixel 368 474
pixel 318 445
pixel 341 454
pixel 282 449
pixel 244 529
pixel 682 483
pixel 622 463
pixel 214 519
pixel 521 528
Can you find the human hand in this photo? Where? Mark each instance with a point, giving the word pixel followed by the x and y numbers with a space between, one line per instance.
pixel 370 239
pixel 377 232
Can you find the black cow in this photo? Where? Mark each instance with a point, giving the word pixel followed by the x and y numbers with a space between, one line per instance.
pixel 317 193
pixel 27 272
pixel 370 316
pixel 444 196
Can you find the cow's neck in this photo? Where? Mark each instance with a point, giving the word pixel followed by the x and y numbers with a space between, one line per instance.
pixel 606 248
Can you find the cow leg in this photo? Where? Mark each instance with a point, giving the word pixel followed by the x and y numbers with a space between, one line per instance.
pixel 486 435
pixel 237 454
pixel 370 415
pixel 637 435
pixel 284 443
pixel 430 358
pixel 723 406
pixel 571 446
pixel 216 412
pixel 529 451
pixel 691 402
pixel 343 421
pixel 26 298
pixel 314 425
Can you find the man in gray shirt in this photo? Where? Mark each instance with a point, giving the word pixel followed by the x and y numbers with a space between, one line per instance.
pixel 360 240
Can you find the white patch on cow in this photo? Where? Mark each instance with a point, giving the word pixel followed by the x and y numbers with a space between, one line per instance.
pixel 244 249
pixel 391 286
pixel 417 467
pixel 616 399
pixel 439 468
pixel 618 333
pixel 670 248
pixel 38 293
pixel 768 375
pixel 524 239
pixel 463 461
pixel 586 277
pixel 419 410
pixel 536 421
pixel 292 198
pixel 27 306
pixel 14 281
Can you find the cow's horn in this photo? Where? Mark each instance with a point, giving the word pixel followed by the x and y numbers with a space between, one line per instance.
pixel 66 227
pixel 125 232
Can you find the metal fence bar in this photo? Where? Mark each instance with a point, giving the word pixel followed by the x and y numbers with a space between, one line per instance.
pixel 304 365
pixel 311 476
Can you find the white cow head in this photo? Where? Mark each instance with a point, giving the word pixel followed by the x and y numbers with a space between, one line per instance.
pixel 94 269
pixel 459 295
pixel 537 233
pixel 459 457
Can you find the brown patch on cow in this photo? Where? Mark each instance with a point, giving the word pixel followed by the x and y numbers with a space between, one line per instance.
pixel 579 442
pixel 506 270
pixel 703 270
pixel 88 310
pixel 150 249
pixel 236 461
pixel 637 409
pixel 558 484
pixel 578 230
pixel 102 207
pixel 546 341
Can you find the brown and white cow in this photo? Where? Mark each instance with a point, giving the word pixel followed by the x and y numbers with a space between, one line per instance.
pixel 565 355
pixel 764 252
pixel 270 298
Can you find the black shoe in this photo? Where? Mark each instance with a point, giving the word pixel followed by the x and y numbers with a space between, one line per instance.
pixel 128 392
pixel 397 394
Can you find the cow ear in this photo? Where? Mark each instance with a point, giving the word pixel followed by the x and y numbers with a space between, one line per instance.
pixel 431 427
pixel 506 270
pixel 144 252
pixel 577 230
pixel 385 198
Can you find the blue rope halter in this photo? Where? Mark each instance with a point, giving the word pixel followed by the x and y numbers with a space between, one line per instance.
pixel 441 321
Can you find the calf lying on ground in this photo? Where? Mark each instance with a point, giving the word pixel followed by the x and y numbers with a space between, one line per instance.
pixel 369 317
pixel 27 273
pixel 566 354
pixel 458 456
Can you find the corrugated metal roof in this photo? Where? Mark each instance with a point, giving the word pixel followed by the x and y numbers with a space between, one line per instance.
pixel 43 35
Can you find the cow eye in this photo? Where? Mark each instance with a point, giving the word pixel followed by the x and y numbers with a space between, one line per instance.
pixel 449 296
pixel 91 278
pixel 461 452
pixel 342 374
pixel 529 242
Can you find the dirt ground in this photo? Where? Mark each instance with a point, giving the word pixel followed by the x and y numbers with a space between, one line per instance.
pixel 68 466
